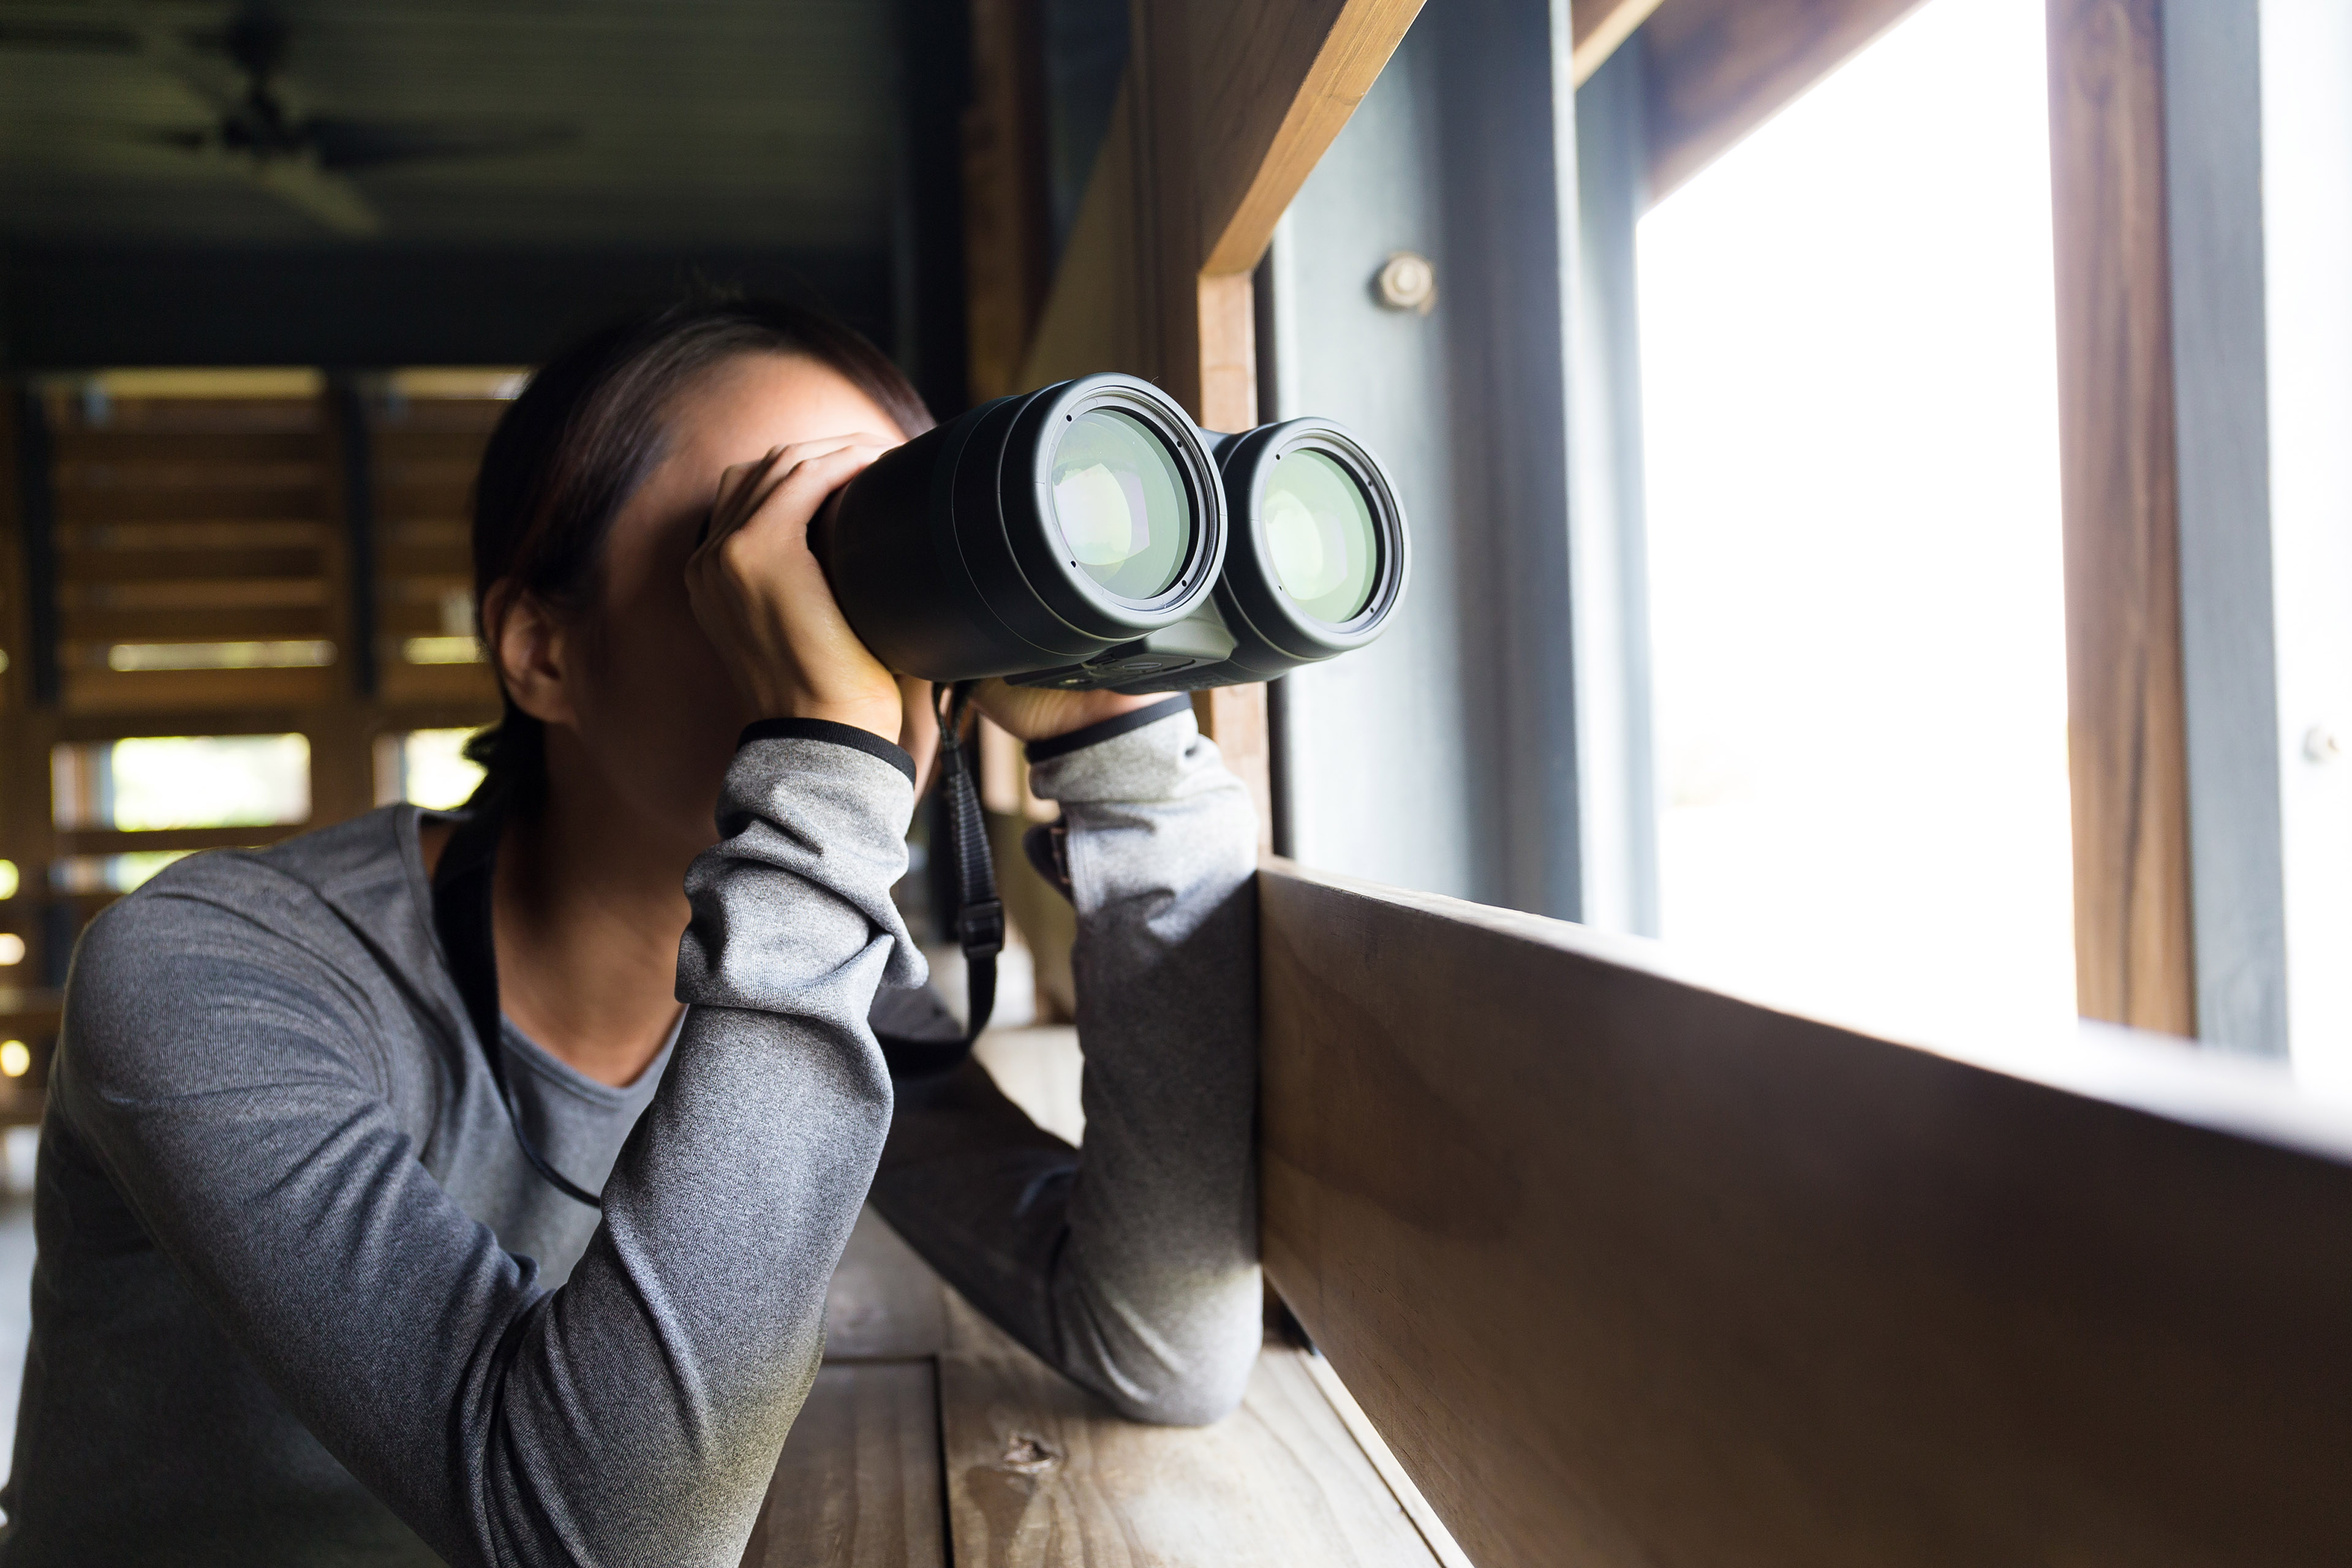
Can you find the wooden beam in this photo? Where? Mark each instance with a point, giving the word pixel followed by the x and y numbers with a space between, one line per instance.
pixel 1273 86
pixel 1627 1269
pixel 1596 27
pixel 1008 232
pixel 1716 69
pixel 1225 109
pixel 2126 730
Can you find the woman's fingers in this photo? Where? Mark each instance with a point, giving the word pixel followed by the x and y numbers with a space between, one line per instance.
pixel 763 600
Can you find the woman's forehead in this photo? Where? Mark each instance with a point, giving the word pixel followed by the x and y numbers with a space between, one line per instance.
pixel 740 410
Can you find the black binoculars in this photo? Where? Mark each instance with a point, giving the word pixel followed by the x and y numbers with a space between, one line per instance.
pixel 1090 535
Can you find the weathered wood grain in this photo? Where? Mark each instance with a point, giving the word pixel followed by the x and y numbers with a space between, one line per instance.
pixel 858 1482
pixel 1630 1271
pixel 2126 708
pixel 1040 1474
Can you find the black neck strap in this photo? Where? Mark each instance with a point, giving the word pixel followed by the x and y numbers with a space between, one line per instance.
pixel 979 913
pixel 462 884
pixel 464 879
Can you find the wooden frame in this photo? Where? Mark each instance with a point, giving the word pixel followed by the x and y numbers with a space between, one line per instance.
pixel 2133 943
pixel 1711 71
pixel 1630 1269
pixel 1225 109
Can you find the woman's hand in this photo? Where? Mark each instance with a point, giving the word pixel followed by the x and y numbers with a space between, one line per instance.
pixel 1042 712
pixel 763 600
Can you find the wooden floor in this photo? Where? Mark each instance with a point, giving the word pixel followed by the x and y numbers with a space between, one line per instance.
pixel 931 1438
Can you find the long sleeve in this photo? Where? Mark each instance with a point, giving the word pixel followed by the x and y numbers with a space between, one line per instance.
pixel 227 1079
pixel 1131 1264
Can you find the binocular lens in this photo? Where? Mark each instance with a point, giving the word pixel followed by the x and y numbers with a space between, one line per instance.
pixel 1320 534
pixel 1119 503
pixel 1076 537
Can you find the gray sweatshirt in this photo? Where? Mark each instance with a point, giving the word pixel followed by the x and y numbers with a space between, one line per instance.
pixel 301 1299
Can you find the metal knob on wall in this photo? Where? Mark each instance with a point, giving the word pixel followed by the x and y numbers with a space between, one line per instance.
pixel 1406 282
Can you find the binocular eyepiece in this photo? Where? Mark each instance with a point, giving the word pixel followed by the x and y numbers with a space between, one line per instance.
pixel 1090 535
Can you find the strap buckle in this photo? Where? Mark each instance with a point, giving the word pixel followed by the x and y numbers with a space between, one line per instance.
pixel 980 928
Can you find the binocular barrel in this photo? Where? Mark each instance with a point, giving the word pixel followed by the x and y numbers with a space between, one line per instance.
pixel 1089 535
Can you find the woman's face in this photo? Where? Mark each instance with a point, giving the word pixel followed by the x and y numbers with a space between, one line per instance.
pixel 654 716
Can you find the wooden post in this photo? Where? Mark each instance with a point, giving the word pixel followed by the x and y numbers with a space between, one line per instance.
pixel 1008 239
pixel 1224 111
pixel 2126 730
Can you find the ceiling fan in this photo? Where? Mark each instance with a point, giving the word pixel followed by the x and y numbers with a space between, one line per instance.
pixel 304 160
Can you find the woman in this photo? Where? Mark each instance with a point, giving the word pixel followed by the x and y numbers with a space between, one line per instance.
pixel 305 1292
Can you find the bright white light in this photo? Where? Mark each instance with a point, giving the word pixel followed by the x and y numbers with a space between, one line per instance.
pixel 435 770
pixel 1849 357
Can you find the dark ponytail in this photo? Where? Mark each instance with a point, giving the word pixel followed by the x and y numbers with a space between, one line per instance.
pixel 571 451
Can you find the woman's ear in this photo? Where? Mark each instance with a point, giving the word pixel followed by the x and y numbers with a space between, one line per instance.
pixel 528 650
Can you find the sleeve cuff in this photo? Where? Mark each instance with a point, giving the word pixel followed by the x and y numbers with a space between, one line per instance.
pixel 1109 729
pixel 849 735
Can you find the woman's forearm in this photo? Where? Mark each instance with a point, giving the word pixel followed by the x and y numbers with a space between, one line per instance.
pixel 1133 1265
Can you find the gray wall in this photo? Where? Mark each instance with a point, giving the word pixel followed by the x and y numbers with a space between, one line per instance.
pixel 1452 755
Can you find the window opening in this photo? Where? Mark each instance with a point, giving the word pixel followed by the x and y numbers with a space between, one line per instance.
pixel 1857 605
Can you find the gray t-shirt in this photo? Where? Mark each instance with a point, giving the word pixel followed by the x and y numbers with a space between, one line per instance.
pixel 578 1126
pixel 297 1297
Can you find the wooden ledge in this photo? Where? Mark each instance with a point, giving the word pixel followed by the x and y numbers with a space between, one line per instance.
pixel 931 1439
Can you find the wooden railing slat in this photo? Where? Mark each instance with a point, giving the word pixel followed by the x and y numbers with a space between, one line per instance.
pixel 1628 1270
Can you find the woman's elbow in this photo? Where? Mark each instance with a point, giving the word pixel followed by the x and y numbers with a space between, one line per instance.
pixel 1198 1379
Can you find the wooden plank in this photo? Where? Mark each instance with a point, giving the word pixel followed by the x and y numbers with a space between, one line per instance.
pixel 186 693
pixel 198 561
pixel 194 593
pixel 468 690
pixel 858 1485
pixel 884 1303
pixel 1368 1437
pixel 1040 1474
pixel 126 455
pixel 233 416
pixel 2126 732
pixel 243 623
pixel 1008 231
pixel 243 503
pixel 1268 89
pixel 407 555
pixel 194 536
pixel 1630 1271
pixel 141 841
pixel 1716 69
pixel 1596 28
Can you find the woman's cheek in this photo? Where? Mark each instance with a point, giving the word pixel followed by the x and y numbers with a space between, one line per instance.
pixel 670 729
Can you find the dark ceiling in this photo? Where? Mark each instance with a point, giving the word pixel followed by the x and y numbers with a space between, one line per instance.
pixel 635 141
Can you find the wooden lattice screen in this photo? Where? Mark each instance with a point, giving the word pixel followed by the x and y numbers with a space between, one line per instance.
pixel 284 562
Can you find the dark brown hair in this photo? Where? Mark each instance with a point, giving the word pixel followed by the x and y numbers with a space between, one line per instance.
pixel 590 425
